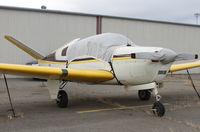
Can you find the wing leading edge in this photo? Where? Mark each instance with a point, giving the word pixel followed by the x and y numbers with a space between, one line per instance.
pixel 184 66
pixel 78 75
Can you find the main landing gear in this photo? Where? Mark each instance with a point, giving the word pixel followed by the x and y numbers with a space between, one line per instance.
pixel 158 108
pixel 57 92
pixel 144 94
pixel 62 97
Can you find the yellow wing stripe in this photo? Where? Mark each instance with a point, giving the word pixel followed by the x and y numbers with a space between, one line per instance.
pixel 51 62
pixel 126 58
pixel 179 67
pixel 57 73
pixel 64 63
pixel 78 62
pixel 85 61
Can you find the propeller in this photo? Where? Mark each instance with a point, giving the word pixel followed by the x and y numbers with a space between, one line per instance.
pixel 165 56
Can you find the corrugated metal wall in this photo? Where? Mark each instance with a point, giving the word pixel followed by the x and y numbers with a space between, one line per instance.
pixel 43 32
pixel 180 38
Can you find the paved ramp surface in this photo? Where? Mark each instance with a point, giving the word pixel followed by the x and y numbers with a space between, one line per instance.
pixel 98 108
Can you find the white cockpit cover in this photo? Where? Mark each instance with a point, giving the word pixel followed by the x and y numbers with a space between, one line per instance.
pixel 97 46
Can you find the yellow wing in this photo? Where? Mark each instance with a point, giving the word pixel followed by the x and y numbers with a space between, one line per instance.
pixel 25 48
pixel 57 73
pixel 179 67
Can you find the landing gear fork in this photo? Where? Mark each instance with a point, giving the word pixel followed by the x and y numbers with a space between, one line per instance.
pixel 158 108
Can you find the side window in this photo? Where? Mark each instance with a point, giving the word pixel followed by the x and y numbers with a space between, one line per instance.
pixel 64 51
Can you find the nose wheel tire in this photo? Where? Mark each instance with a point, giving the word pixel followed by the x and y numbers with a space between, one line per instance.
pixel 144 94
pixel 62 99
pixel 158 109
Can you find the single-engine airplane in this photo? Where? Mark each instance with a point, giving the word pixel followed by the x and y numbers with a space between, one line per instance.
pixel 108 58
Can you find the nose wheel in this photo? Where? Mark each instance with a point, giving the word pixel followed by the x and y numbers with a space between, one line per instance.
pixel 158 109
pixel 62 99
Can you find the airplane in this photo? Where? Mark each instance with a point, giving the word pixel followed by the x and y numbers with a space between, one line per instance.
pixel 109 59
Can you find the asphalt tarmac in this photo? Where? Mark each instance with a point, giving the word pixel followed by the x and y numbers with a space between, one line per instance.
pixel 99 108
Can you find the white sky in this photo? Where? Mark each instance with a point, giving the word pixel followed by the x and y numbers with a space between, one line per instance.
pixel 165 10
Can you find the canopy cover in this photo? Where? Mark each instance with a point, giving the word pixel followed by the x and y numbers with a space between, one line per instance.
pixel 97 46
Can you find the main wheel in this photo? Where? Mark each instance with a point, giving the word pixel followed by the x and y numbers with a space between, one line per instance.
pixel 144 94
pixel 158 109
pixel 62 99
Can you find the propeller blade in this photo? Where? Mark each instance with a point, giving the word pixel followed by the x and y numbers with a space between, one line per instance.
pixel 165 56
pixel 186 56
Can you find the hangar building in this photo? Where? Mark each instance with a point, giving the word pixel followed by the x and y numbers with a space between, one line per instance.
pixel 46 30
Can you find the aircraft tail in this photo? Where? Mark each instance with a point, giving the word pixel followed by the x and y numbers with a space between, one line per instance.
pixel 25 48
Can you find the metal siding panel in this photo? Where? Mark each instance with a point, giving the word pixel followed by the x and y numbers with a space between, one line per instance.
pixel 180 38
pixel 43 32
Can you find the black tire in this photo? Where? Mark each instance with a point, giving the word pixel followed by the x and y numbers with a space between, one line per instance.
pixel 158 109
pixel 144 94
pixel 62 99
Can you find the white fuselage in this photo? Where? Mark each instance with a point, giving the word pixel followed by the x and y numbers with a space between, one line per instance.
pixel 127 70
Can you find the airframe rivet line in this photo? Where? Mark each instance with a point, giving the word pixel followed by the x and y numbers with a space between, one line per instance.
pixel 118 108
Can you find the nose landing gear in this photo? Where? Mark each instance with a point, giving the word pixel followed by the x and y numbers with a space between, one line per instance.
pixel 144 94
pixel 158 108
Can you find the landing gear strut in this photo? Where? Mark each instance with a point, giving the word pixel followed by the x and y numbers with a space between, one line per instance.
pixel 158 108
